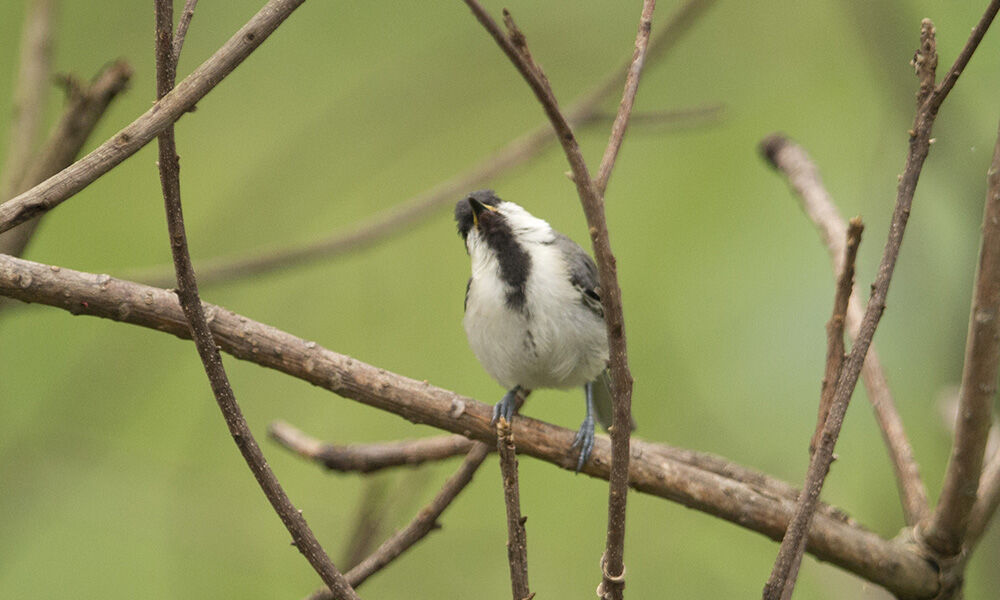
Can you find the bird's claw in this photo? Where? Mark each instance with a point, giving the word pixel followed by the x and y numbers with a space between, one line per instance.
pixel 505 408
pixel 585 441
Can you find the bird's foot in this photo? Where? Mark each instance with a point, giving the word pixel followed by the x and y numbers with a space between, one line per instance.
pixel 506 407
pixel 585 440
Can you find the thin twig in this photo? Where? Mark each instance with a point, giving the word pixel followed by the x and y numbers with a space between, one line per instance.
pixel 835 329
pixel 947 529
pixel 367 522
pixel 613 567
pixel 985 508
pixel 30 92
pixel 819 466
pixel 85 107
pixel 367 458
pixel 834 366
pixel 746 502
pixel 517 540
pixel 187 294
pixel 424 523
pixel 803 176
pixel 628 97
pixel 187 13
pixel 56 189
pixel 422 206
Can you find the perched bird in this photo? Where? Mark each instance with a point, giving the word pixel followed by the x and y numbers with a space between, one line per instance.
pixel 533 312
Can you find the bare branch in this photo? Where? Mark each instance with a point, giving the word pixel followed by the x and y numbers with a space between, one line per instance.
pixel 86 106
pixel 947 529
pixel 422 206
pixel 182 28
pixel 781 583
pixel 517 540
pixel 367 458
pixel 422 524
pixel 819 466
pixel 211 358
pixel 745 501
pixel 56 189
pixel 803 176
pixel 628 97
pixel 985 508
pixel 30 92
pixel 611 298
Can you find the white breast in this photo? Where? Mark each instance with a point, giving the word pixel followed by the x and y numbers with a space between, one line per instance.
pixel 555 342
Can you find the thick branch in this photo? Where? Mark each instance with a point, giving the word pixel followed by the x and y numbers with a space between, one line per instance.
pixel 803 176
pixel 367 458
pixel 752 505
pixel 54 190
pixel 85 107
pixel 947 530
pixel 211 358
pixel 514 46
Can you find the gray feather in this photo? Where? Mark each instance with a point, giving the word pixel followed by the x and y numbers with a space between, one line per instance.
pixel 582 272
pixel 603 404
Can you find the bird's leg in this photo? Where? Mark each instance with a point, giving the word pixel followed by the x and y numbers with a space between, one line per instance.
pixel 507 405
pixel 585 436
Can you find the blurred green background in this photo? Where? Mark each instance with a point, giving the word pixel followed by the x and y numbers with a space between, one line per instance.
pixel 117 476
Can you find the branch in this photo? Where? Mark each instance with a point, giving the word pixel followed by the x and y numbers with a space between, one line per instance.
pixel 182 28
pixel 368 458
pixel 803 176
pixel 514 46
pixel 989 499
pixel 85 108
pixel 819 466
pixel 628 97
pixel 947 529
pixel 517 539
pixel 422 524
pixel 752 505
pixel 422 206
pixel 211 358
pixel 56 189
pixel 781 583
pixel 30 93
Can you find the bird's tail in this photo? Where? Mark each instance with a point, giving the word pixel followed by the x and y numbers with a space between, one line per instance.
pixel 603 404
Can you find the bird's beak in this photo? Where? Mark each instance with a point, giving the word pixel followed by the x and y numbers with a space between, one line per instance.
pixel 477 209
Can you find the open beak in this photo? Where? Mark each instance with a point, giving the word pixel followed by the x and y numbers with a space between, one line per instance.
pixel 477 209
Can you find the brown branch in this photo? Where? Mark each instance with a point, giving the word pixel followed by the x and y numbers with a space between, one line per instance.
pixel 613 566
pixel 30 92
pixel 819 466
pixel 368 522
pixel 422 206
pixel 187 294
pixel 187 13
pixel 628 98
pixel 367 458
pixel 517 539
pixel 947 529
pixel 782 583
pixel 749 504
pixel 803 176
pixel 424 523
pixel 989 499
pixel 835 329
pixel 85 107
pixel 56 189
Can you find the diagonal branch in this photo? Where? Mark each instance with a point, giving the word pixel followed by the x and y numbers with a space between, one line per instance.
pixel 989 500
pixel 947 529
pixel 182 28
pixel 803 176
pixel 513 45
pixel 707 484
pixel 211 358
pixel 920 137
pixel 781 583
pixel 56 189
pixel 368 458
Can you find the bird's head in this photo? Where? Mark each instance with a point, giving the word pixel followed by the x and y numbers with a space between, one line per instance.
pixel 483 218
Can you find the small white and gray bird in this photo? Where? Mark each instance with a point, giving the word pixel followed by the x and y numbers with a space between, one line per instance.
pixel 533 311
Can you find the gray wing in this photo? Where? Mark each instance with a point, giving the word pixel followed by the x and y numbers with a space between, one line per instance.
pixel 582 273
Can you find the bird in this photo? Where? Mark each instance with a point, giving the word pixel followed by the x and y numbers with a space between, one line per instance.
pixel 533 313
